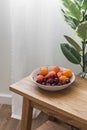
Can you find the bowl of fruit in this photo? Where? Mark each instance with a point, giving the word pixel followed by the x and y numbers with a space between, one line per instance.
pixel 52 78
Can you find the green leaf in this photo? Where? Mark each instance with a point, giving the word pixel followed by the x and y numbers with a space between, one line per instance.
pixel 82 74
pixel 72 10
pixel 84 5
pixel 73 43
pixel 78 3
pixel 82 30
pixel 71 21
pixel 70 53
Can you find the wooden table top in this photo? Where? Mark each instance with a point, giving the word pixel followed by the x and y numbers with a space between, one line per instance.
pixel 71 100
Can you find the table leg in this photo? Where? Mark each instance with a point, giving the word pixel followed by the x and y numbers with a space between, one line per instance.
pixel 26 114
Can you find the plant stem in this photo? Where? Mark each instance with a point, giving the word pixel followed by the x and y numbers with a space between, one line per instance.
pixel 83 56
pixel 81 65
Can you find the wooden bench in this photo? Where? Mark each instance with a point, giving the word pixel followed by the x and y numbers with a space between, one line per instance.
pixel 68 105
pixel 50 125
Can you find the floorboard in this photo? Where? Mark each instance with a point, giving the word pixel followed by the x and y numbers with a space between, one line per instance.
pixel 8 123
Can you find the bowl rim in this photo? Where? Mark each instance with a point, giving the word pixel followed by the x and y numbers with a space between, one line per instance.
pixel 48 87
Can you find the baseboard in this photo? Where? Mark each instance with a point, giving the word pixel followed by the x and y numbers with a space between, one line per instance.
pixel 5 99
pixel 16 116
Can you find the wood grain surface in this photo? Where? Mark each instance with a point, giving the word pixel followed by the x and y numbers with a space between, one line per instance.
pixel 69 105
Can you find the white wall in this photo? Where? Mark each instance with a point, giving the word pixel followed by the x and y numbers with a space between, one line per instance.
pixel 37 29
pixel 5 47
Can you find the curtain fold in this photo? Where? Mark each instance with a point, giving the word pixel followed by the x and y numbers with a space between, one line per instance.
pixel 34 35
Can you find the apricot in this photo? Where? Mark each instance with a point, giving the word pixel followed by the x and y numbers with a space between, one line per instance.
pixel 63 78
pixel 43 71
pixel 67 73
pixel 56 69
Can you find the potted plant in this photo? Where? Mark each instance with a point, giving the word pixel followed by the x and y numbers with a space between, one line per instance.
pixel 75 14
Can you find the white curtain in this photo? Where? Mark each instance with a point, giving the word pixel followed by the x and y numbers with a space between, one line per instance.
pixel 37 29
pixel 34 35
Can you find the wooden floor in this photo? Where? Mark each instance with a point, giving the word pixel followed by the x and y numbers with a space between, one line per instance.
pixel 7 123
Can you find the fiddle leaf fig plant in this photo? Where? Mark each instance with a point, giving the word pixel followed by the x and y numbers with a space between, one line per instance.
pixel 75 14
